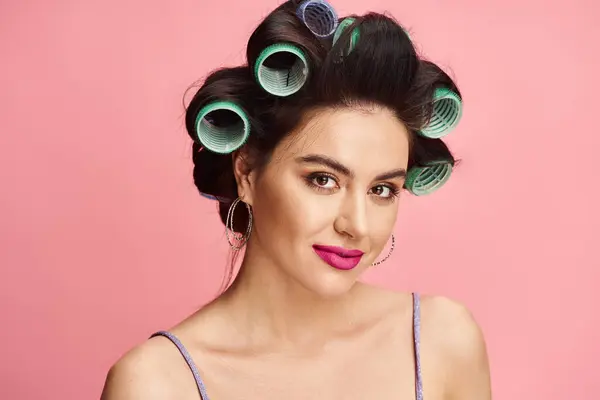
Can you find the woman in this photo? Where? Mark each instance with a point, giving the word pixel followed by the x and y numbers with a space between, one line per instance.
pixel 307 149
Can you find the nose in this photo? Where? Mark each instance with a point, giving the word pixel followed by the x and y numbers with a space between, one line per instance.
pixel 352 217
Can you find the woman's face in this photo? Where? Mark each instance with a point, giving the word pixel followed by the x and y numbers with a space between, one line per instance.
pixel 331 185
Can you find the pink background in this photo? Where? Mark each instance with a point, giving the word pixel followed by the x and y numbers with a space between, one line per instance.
pixel 105 240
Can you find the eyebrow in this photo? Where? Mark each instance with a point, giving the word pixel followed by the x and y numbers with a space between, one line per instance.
pixel 342 169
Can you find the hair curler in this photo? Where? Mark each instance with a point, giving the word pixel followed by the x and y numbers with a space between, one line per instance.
pixel 447 112
pixel 222 127
pixel 281 69
pixel 424 180
pixel 319 17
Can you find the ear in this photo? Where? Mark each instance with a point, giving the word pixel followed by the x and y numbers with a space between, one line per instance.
pixel 244 177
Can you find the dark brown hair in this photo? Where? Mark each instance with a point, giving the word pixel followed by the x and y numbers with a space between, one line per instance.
pixel 382 69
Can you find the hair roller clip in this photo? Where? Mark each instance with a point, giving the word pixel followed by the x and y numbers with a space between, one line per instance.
pixel 346 22
pixel 222 127
pixel 281 69
pixel 216 198
pixel 424 180
pixel 447 112
pixel 318 16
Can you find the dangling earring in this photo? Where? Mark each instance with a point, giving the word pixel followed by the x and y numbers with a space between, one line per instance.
pixel 237 240
pixel 388 254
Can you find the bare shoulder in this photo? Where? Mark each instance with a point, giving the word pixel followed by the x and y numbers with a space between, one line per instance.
pixel 149 371
pixel 452 330
pixel 453 325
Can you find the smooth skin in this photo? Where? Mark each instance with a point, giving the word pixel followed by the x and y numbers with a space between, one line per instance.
pixel 293 327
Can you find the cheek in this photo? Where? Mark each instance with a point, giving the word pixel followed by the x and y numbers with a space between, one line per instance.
pixel 382 221
pixel 288 209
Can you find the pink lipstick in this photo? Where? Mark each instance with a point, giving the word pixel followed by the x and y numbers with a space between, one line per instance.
pixel 338 257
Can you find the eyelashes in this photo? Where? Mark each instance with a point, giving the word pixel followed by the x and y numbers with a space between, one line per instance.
pixel 327 183
pixel 322 181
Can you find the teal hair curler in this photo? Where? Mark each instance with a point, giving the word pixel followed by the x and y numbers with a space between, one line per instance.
pixel 424 180
pixel 222 138
pixel 319 17
pixel 346 22
pixel 281 69
pixel 447 112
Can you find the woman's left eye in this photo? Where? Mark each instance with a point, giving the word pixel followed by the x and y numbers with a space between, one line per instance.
pixel 382 191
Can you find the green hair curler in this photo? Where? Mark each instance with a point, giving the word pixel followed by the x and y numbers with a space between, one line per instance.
pixel 222 138
pixel 424 180
pixel 447 112
pixel 346 22
pixel 288 76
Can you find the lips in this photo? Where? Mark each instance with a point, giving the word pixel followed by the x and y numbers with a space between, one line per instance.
pixel 339 257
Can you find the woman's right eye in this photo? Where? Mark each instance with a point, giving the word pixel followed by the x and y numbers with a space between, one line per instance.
pixel 324 181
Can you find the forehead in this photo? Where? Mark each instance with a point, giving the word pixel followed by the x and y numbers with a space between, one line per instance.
pixel 369 140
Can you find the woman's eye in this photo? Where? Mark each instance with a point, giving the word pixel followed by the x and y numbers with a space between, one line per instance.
pixel 324 181
pixel 382 191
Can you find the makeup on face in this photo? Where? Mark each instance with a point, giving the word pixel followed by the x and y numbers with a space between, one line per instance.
pixel 327 183
pixel 339 257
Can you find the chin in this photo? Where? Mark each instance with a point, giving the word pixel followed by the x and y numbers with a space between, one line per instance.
pixel 330 284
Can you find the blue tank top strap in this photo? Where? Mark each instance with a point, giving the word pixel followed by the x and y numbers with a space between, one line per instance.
pixel 417 340
pixel 188 359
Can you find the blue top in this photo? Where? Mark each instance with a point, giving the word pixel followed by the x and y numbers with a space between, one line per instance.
pixel 416 336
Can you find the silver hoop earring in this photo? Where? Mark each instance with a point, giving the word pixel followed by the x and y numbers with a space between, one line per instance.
pixel 388 254
pixel 237 240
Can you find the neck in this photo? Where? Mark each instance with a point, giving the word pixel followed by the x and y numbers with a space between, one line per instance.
pixel 272 308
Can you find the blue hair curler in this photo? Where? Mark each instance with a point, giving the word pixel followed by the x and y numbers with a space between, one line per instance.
pixel 287 77
pixel 447 112
pixel 318 16
pixel 222 138
pixel 424 180
pixel 346 22
pixel 216 198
